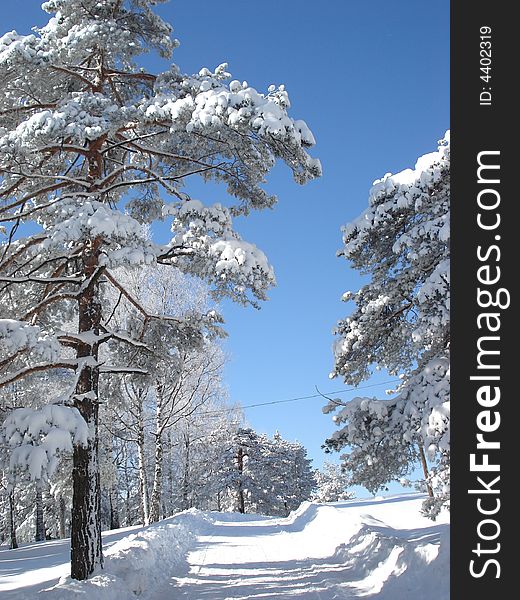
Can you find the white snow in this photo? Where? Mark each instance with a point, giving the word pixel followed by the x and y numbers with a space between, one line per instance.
pixel 379 548
pixel 34 567
pixel 18 336
pixel 35 437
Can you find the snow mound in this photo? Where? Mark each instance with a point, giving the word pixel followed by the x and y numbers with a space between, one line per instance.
pixel 382 562
pixel 300 518
pixel 136 563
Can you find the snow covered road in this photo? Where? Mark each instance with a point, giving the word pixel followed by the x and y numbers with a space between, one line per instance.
pixel 374 548
pixel 363 548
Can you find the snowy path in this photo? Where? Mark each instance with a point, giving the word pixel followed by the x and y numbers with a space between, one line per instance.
pixel 365 548
pixel 375 548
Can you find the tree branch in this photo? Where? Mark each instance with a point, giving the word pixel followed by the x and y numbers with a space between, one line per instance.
pixel 35 369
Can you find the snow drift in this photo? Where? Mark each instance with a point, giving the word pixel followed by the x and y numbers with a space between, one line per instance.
pixel 133 564
pixel 380 548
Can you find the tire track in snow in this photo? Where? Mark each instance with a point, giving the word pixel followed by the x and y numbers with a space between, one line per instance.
pixel 381 549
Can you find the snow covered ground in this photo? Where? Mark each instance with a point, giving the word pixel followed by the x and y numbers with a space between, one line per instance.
pixel 373 548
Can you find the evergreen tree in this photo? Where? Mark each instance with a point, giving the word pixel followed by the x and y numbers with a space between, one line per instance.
pixel 265 475
pixel 331 484
pixel 85 132
pixel 400 322
pixel 291 479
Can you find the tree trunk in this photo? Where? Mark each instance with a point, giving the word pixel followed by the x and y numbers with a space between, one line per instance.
pixel 40 523
pixel 128 518
pixel 86 553
pixel 240 466
pixel 425 471
pixel 155 501
pixel 168 496
pixel 143 480
pixel 62 506
pixel 186 474
pixel 12 522
pixel 114 513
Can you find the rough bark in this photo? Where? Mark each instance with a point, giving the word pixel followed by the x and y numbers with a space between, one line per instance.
pixel 155 500
pixel 114 513
pixel 86 554
pixel 425 471
pixel 128 512
pixel 240 467
pixel 12 522
pixel 169 483
pixel 186 474
pixel 61 507
pixel 40 523
pixel 143 479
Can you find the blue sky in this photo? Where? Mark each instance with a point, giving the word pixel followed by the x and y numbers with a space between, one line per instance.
pixel 371 79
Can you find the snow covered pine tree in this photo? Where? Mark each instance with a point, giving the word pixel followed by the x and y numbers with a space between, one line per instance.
pixel 400 322
pixel 264 475
pixel 331 484
pixel 90 148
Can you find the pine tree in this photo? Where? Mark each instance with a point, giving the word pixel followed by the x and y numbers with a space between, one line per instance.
pixel 266 475
pixel 83 132
pixel 332 484
pixel 289 477
pixel 400 322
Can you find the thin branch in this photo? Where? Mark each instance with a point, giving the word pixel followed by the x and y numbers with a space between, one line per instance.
pixel 123 338
pixel 34 240
pixel 135 302
pixel 49 300
pixel 337 402
pixel 112 369
pixel 31 195
pixel 36 368
pixel 73 73
pixel 62 178
pixel 145 76
pixel 9 359
pixel 27 107
pixel 399 311
pixel 114 309
pixel 138 137
pixel 63 147
pixel 45 280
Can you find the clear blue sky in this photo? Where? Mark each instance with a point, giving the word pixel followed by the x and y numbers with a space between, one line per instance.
pixel 371 79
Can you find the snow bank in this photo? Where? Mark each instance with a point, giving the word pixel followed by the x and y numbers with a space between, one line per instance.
pixel 395 555
pixel 382 562
pixel 136 564
pixel 300 518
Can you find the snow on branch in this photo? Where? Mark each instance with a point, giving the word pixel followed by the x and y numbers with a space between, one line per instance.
pixel 121 337
pixel 400 322
pixel 37 436
pixel 20 374
pixel 17 337
pixel 123 370
pixel 45 280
